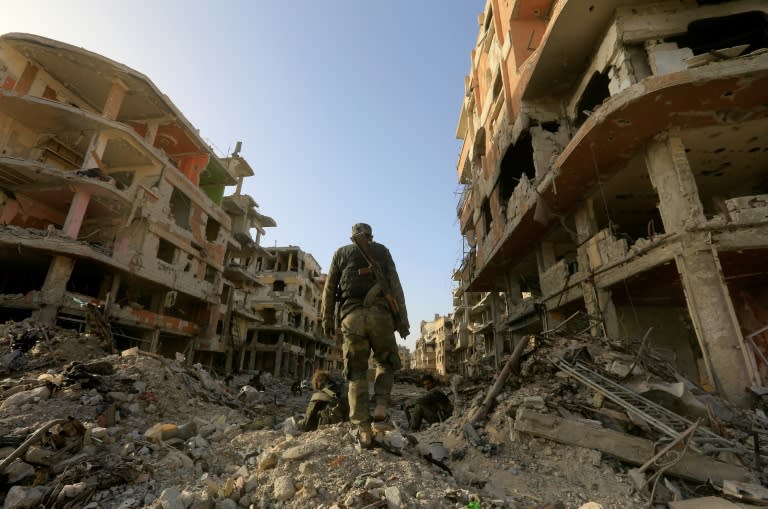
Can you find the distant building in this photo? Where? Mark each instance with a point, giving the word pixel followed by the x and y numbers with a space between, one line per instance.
pixel 435 346
pixel 405 356
pixel 289 341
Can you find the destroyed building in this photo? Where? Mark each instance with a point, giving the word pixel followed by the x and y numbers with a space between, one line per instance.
pixel 112 204
pixel 289 341
pixel 435 346
pixel 242 268
pixel 614 163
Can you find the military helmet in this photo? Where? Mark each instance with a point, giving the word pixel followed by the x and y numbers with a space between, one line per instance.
pixel 362 228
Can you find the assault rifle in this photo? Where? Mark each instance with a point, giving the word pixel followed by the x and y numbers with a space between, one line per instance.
pixel 382 283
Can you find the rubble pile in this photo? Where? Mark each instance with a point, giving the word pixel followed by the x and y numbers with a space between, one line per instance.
pixel 83 427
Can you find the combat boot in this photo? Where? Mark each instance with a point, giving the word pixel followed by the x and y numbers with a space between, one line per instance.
pixel 365 436
pixel 380 412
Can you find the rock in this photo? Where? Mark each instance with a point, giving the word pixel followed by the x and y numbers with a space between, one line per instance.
pixel 394 498
pixel 268 460
pixel 373 482
pixel 283 488
pixel 40 456
pixel 25 397
pixel 302 451
pixel 23 497
pixel 71 491
pixel 170 498
pixel 18 471
pixel 226 503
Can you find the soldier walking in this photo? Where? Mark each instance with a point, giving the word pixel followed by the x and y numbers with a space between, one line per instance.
pixel 363 294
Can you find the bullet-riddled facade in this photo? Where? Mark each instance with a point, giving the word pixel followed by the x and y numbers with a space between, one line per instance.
pixel 613 163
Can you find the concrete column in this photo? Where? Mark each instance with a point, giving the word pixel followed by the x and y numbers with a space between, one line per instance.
pixel 152 127
pixel 498 338
pixel 709 305
pixel 76 214
pixel 598 301
pixel 112 295
pixel 252 358
pixel 154 342
pixel 54 287
pixel 279 354
pixel 114 99
pixel 545 256
pixel 586 224
pixel 28 76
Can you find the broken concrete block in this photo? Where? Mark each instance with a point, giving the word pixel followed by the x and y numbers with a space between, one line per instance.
pixel 22 398
pixel 284 488
pixel 23 497
pixel 394 498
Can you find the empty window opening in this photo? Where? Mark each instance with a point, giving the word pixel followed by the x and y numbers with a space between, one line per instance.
pixel 166 251
pixel 128 337
pixel 169 344
pixel 488 20
pixel 596 92
pixel 188 308
pixel 711 34
pixel 22 274
pixel 133 295
pixel 210 273
pixel 180 208
pixel 552 127
pixel 487 217
pixel 497 86
pixel 86 279
pixel 270 318
pixel 278 286
pixel 212 228
pixel 517 161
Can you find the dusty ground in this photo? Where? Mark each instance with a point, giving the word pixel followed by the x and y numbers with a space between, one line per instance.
pixel 156 433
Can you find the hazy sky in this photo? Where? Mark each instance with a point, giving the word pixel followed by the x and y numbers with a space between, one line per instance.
pixel 347 110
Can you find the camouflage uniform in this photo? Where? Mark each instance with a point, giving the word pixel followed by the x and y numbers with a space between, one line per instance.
pixel 365 325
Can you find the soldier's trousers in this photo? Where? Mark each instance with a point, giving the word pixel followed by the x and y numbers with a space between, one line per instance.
pixel 365 330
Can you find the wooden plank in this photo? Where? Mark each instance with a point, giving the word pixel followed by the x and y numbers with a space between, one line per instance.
pixel 627 448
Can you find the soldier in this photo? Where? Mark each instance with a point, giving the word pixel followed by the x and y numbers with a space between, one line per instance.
pixel 328 404
pixel 432 407
pixel 369 311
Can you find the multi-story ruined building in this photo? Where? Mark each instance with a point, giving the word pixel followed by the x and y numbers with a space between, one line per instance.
pixel 289 341
pixel 242 272
pixel 109 197
pixel 614 161
pixel 435 346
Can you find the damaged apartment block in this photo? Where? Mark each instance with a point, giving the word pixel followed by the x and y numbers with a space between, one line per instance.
pixel 614 166
pixel 112 204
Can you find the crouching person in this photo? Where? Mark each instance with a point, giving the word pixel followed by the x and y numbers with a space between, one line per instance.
pixel 328 404
pixel 432 407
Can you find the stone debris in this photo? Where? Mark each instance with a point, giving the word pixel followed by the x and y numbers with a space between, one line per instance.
pixel 82 427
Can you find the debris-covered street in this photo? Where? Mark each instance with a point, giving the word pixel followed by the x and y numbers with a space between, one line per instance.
pixel 520 261
pixel 81 427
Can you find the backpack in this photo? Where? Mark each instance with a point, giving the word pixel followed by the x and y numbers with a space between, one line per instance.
pixel 335 411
